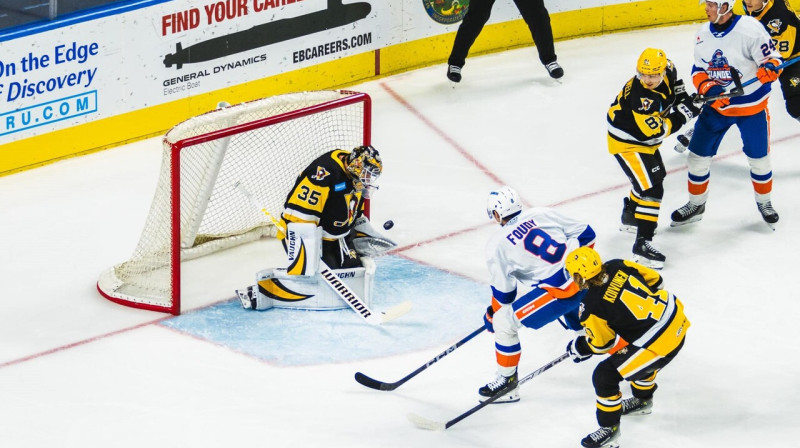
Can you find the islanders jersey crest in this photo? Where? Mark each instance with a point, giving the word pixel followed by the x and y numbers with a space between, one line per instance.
pixel 719 70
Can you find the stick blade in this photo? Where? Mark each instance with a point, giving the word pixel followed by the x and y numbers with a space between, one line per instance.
pixel 396 311
pixel 372 383
pixel 424 423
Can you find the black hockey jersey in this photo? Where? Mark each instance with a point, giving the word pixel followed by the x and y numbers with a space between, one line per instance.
pixel 637 119
pixel 782 24
pixel 324 194
pixel 630 305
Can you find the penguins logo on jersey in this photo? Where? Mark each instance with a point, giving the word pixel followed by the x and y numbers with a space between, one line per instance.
pixel 646 103
pixel 719 70
pixel 352 202
pixel 321 173
pixel 774 26
pixel 794 82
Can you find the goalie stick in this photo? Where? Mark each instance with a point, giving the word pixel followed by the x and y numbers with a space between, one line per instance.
pixel 380 385
pixel 338 286
pixel 424 423
pixel 357 304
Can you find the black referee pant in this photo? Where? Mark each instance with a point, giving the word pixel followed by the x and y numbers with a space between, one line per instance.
pixel 533 12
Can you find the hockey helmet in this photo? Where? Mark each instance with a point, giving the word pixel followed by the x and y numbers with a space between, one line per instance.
pixel 760 4
pixel 652 62
pixel 364 164
pixel 585 262
pixel 720 3
pixel 504 201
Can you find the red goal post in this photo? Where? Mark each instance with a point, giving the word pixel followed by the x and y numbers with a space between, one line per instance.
pixel 197 209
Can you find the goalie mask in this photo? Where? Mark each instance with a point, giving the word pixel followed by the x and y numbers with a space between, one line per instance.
pixel 364 164
pixel 504 201
pixel 583 264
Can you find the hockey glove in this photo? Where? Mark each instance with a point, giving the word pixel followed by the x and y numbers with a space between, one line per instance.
pixel 720 103
pixel 368 241
pixel 680 88
pixel 487 319
pixel 689 101
pixel 714 89
pixel 709 87
pixel 681 114
pixel 768 72
pixel 574 352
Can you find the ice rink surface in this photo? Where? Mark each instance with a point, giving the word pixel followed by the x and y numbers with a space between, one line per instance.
pixel 79 371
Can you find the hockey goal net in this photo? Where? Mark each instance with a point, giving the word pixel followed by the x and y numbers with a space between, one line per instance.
pixel 199 208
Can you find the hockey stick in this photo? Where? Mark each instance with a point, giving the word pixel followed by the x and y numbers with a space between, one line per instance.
pixel 685 138
pixel 738 90
pixel 338 286
pixel 424 423
pixel 380 385
pixel 361 308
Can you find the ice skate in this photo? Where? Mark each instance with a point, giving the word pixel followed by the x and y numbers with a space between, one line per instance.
pixel 555 70
pixel 605 437
pixel 637 406
pixel 501 385
pixel 768 213
pixel 627 218
pixel 683 141
pixel 248 298
pixel 454 73
pixel 689 213
pixel 647 255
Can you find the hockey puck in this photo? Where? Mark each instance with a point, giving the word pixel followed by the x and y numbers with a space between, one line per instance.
pixel 388 224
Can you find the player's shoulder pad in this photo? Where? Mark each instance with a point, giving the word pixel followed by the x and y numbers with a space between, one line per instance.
pixel 326 170
pixel 650 276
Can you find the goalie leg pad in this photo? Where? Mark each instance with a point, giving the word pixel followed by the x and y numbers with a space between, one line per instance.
pixel 277 288
pixel 303 248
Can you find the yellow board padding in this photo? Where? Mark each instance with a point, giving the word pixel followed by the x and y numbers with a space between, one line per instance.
pixel 153 121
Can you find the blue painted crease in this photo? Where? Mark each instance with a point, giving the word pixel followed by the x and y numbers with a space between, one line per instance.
pixel 446 307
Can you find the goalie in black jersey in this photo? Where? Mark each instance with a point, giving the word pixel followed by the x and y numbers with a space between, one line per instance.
pixel 651 106
pixel 327 237
pixel 625 301
pixel 330 193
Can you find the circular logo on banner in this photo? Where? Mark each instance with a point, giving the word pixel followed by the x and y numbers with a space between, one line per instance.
pixel 446 11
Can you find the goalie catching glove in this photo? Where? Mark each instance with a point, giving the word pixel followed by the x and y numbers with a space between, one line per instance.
pixel 369 242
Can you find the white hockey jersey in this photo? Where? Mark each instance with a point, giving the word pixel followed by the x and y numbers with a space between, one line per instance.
pixel 531 248
pixel 743 46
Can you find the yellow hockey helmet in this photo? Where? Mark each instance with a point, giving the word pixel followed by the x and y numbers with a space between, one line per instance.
pixel 584 261
pixel 652 62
